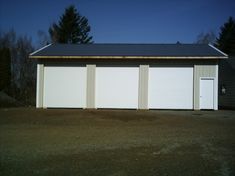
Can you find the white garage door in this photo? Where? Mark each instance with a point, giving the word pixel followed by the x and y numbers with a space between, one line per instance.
pixel 117 87
pixel 64 87
pixel 170 88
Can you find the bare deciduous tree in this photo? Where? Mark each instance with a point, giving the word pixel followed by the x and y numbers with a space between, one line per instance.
pixel 206 38
pixel 23 69
pixel 43 38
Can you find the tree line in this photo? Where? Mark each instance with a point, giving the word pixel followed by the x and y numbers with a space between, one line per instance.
pixel 226 39
pixel 18 72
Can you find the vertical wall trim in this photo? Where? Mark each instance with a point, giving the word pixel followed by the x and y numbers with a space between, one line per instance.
pixel 143 86
pixel 195 86
pixel 216 88
pixel 40 85
pixel 90 102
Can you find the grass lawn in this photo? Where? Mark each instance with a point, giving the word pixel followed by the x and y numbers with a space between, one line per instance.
pixel 116 142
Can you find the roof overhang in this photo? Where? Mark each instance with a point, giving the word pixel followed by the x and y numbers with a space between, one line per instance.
pixel 128 57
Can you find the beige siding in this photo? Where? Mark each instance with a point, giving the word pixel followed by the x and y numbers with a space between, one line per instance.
pixel 202 68
pixel 143 87
pixel 91 86
pixel 40 85
pixel 201 71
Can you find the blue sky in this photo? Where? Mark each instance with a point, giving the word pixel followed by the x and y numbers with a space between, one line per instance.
pixel 122 21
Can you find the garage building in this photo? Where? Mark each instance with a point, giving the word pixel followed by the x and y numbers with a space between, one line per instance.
pixel 128 76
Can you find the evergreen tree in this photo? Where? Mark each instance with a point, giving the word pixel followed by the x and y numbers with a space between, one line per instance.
pixel 226 40
pixel 72 28
pixel 5 68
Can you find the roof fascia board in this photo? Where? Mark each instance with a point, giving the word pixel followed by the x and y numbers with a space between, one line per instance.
pixel 218 50
pixel 39 49
pixel 128 57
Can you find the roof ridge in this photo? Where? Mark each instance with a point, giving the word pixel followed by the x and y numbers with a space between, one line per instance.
pixel 129 44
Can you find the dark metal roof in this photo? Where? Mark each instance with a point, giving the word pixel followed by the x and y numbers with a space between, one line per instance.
pixel 147 50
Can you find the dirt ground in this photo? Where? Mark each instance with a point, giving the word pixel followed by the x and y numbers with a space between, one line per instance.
pixel 116 142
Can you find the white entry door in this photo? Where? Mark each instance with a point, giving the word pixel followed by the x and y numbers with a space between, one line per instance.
pixel 64 87
pixel 206 93
pixel 117 87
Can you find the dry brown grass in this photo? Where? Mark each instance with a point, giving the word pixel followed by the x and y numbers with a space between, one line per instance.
pixel 116 142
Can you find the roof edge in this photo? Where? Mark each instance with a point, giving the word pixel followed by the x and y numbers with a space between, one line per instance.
pixel 218 50
pixel 128 57
pixel 39 49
